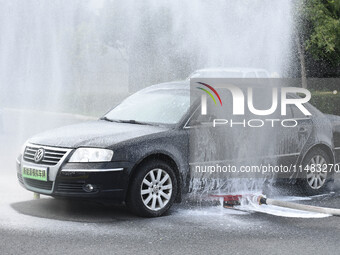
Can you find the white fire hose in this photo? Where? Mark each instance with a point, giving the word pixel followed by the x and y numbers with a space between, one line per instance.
pixel 332 211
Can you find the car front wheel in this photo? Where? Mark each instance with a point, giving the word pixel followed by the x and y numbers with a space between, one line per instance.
pixel 153 189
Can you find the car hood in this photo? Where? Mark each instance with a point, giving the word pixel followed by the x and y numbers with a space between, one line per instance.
pixel 94 134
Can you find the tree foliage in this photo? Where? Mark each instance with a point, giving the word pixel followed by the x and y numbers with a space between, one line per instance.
pixel 322 32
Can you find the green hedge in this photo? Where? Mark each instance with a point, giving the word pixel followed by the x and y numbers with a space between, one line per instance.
pixel 326 102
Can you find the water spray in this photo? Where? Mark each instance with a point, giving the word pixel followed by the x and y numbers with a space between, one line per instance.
pixel 229 201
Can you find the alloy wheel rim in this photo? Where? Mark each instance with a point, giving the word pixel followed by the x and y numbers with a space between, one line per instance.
pixel 316 178
pixel 156 189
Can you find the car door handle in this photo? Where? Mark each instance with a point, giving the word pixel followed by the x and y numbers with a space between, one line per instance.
pixel 302 130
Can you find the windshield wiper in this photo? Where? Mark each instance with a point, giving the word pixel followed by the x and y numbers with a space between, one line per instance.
pixel 134 122
pixel 126 121
pixel 107 119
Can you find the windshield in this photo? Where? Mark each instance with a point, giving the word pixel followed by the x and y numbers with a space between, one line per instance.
pixel 163 106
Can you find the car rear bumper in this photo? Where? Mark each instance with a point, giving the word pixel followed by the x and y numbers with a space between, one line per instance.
pixel 109 180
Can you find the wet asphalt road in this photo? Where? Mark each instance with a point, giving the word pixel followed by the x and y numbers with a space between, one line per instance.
pixel 50 226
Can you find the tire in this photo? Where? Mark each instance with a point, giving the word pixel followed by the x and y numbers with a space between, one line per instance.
pixel 152 190
pixel 314 181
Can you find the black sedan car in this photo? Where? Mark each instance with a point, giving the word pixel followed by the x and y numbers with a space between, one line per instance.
pixel 138 152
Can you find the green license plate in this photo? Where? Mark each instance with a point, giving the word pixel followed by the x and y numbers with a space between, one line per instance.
pixel 36 173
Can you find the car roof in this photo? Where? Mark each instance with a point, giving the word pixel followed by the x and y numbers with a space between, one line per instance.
pixel 234 69
pixel 175 85
pixel 220 70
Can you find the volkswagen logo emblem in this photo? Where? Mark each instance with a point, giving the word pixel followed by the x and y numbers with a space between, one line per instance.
pixel 39 155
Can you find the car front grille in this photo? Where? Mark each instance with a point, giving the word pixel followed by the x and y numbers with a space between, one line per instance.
pixel 51 156
pixel 39 184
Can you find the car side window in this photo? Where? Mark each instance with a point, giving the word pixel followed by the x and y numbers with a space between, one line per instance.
pixel 297 112
pixel 289 113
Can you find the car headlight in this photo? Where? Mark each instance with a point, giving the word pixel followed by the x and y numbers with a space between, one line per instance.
pixel 91 155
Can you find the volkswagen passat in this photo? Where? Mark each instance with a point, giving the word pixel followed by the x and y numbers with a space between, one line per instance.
pixel 138 152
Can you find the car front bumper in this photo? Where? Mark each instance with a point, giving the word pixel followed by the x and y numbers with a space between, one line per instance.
pixel 108 180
